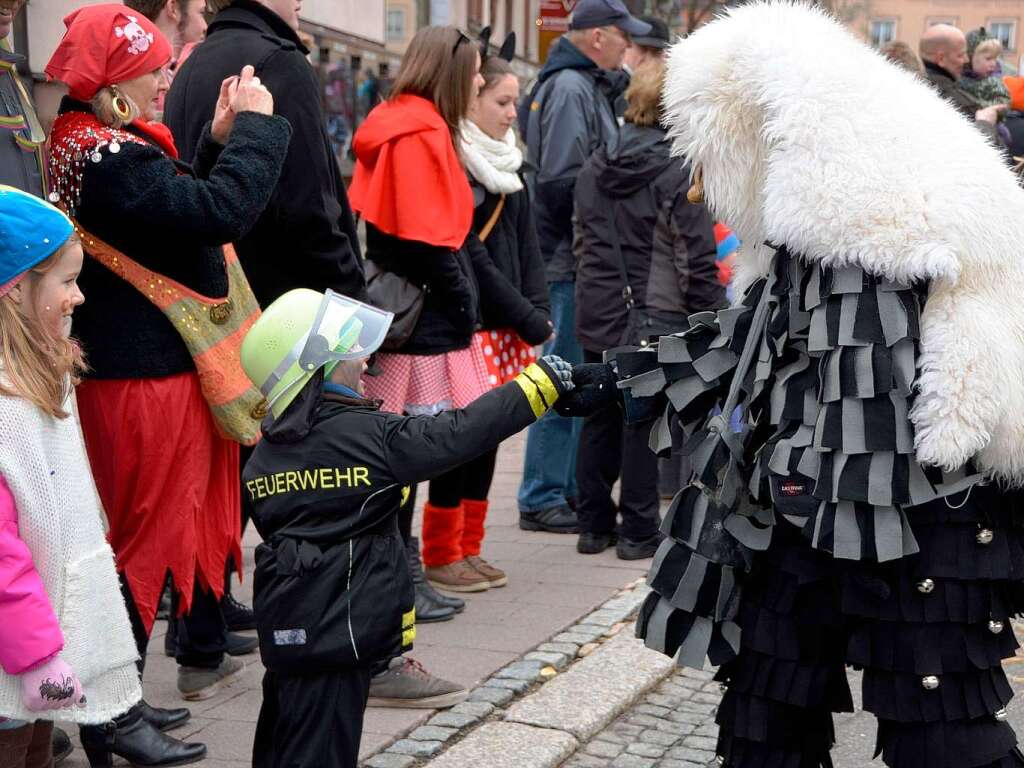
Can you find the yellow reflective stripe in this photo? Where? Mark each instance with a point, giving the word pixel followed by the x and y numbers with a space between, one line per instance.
pixel 409 619
pixel 408 636
pixel 542 380
pixel 408 627
pixel 532 395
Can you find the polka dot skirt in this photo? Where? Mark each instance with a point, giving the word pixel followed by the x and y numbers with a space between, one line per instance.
pixel 504 353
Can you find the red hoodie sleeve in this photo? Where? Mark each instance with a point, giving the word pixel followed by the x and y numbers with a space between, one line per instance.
pixel 29 631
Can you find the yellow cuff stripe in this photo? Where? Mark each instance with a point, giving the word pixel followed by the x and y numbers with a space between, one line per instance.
pixel 409 619
pixel 542 380
pixel 532 395
pixel 408 628
pixel 408 637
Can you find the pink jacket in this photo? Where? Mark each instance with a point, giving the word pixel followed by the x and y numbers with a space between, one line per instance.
pixel 29 631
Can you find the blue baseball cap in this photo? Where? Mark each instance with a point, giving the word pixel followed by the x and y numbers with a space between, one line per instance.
pixel 607 13
pixel 31 230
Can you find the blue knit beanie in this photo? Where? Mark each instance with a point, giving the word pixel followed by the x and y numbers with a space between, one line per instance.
pixel 31 230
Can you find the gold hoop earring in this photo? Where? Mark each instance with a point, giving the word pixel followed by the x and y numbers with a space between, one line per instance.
pixel 695 194
pixel 122 110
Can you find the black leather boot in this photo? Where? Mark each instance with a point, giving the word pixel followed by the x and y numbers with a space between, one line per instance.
pixel 164 719
pixel 61 745
pixel 431 605
pixel 132 737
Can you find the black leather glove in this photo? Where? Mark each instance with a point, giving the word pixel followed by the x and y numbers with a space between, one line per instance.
pixel 595 389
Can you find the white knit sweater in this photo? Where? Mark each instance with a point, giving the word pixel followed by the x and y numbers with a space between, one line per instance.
pixel 44 462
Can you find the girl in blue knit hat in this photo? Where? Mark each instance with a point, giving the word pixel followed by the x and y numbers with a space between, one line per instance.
pixel 65 640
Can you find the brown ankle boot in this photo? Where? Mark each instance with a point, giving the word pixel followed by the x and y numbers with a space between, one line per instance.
pixel 459 576
pixel 495 576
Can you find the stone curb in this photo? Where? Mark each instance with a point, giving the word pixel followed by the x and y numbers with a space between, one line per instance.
pixel 461 734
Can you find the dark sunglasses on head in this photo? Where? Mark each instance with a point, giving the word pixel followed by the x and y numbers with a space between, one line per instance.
pixel 463 38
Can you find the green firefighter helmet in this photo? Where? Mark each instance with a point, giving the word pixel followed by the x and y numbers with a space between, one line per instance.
pixel 303 331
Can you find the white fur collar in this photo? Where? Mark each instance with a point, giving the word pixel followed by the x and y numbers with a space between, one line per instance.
pixel 809 138
pixel 495 164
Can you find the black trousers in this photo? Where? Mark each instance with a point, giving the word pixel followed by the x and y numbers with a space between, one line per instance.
pixel 609 450
pixel 311 721
pixel 200 634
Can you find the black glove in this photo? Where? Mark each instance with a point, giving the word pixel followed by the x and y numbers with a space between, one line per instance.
pixel 559 371
pixel 595 389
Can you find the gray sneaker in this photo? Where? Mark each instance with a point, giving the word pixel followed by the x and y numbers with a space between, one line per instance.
pixel 199 683
pixel 408 685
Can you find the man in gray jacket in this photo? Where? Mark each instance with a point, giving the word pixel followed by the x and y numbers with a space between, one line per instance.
pixel 568 114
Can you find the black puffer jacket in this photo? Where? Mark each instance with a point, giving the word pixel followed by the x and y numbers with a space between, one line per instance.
pixel 514 252
pixel 636 193
pixel 306 237
pixel 172 218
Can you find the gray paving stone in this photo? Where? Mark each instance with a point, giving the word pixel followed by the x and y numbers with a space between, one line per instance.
pixel 593 631
pixel 676 729
pixel 693 718
pixel 509 745
pixel 633 761
pixel 603 748
pixel 521 670
pixel 652 709
pixel 639 718
pixel 699 756
pixel 581 760
pixel 453 720
pixel 497 697
pixel 389 760
pixel 707 698
pixel 508 683
pixel 569 649
pixel 696 674
pixel 432 733
pixel 557 660
pixel 416 748
pixel 708 729
pixel 661 738
pixel 668 763
pixel 696 706
pixel 575 638
pixel 594 690
pixel 668 702
pixel 603 618
pixel 477 708
pixel 645 750
pixel 700 742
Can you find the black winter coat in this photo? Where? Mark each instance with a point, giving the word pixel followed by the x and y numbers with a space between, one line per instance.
pixel 513 250
pixel 332 588
pixel 172 218
pixel 636 193
pixel 306 237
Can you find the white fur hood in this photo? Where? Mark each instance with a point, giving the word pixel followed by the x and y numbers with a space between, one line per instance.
pixel 808 138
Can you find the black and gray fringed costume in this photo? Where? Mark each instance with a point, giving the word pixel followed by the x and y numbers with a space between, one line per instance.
pixel 810 538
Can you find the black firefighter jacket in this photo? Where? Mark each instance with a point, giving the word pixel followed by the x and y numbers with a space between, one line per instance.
pixel 332 589
pixel 306 236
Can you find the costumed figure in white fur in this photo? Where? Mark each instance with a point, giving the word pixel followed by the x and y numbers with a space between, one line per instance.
pixel 66 647
pixel 868 512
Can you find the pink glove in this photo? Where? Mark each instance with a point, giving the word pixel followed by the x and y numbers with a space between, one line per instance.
pixel 51 685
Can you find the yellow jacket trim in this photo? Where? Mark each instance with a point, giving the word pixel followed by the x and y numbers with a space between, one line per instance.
pixel 532 395
pixel 547 387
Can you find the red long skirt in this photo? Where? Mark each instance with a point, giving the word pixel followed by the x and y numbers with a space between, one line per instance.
pixel 168 482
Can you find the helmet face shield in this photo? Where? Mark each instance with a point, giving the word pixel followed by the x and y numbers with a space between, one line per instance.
pixel 344 329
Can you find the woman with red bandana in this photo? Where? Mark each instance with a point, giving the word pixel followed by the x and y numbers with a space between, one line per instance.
pixel 167 479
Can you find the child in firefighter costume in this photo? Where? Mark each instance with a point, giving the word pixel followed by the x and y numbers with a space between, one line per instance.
pixel 332 591
pixel 868 511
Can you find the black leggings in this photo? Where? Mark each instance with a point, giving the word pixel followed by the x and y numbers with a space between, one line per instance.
pixel 471 480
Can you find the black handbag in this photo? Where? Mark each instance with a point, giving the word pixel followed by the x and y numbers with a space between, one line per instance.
pixel 399 295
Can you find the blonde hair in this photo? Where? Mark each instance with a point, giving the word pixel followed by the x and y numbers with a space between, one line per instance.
pixel 989 45
pixel 103 107
pixel 902 54
pixel 644 94
pixel 36 364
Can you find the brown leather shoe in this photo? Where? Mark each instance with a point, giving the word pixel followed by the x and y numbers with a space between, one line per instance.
pixel 459 576
pixel 495 576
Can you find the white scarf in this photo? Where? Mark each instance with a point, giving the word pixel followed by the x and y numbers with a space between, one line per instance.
pixel 493 163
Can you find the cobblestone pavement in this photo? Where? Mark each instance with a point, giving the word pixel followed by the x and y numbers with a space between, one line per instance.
pixel 672 727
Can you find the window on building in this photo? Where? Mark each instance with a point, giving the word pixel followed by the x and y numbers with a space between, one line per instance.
pixel 1005 30
pixel 356 64
pixel 882 31
pixel 396 24
pixel 324 55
